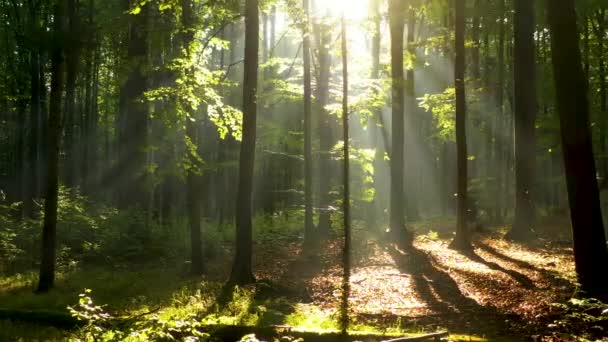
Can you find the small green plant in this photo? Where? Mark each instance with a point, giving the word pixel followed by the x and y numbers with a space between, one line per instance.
pixel 581 319
pixel 101 326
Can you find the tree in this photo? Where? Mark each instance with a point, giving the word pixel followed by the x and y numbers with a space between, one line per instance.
pixel 32 186
pixel 325 123
pixel 499 147
pixel 346 252
pixel 242 268
pixel 462 239
pixel 193 178
pixel 72 63
pixel 396 22
pixel 411 204
pixel 133 113
pixel 309 235
pixel 573 108
pixel 49 230
pixel 524 72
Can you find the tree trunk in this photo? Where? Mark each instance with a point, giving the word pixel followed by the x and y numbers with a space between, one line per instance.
pixel 475 36
pixel 344 319
pixel 72 60
pixel 600 33
pixel 242 272
pixel 573 108
pixel 194 178
pixel 31 190
pixel 501 141
pixel 49 230
pixel 133 115
pixel 325 129
pixel 309 236
pixel 397 222
pixel 462 240
pixel 411 200
pixel 524 83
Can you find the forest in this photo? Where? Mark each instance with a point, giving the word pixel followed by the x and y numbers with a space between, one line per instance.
pixel 303 170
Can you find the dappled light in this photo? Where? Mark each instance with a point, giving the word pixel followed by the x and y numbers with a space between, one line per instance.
pixel 303 170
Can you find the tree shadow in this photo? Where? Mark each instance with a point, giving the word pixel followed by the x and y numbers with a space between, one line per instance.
pixel 551 276
pixel 458 312
pixel 522 279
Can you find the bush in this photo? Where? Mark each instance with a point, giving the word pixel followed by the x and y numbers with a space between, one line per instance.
pixel 87 232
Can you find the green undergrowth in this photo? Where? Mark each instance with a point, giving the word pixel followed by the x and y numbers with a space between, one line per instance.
pixel 168 295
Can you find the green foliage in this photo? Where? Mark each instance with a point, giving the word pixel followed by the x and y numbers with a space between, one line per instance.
pixel 9 251
pixel 88 232
pixel 580 319
pixel 442 106
pixel 101 326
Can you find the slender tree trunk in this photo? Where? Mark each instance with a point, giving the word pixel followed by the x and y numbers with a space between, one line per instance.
pixel 242 272
pixel 325 130
pixel 194 178
pixel 72 60
pixel 462 240
pixel 376 124
pixel 524 83
pixel 31 190
pixel 501 140
pixel 573 108
pixel 475 36
pixel 397 222
pixel 309 236
pixel 49 230
pixel 346 251
pixel 133 115
pixel 411 200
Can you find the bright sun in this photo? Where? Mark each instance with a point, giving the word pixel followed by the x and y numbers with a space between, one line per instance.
pixel 352 9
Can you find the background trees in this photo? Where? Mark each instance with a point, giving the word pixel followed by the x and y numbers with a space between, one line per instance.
pixel 141 116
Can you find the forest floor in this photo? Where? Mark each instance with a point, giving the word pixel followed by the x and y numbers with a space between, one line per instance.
pixel 502 291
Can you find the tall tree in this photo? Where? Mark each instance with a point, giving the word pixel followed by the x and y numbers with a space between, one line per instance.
pixel 242 272
pixel 524 83
pixel 462 240
pixel 309 235
pixel 31 190
pixel 193 179
pixel 346 251
pixel 133 111
pixel 573 108
pixel 71 121
pixel 411 204
pixel 396 23
pixel 49 230
pixel 325 125
pixel 475 36
pixel 599 28
pixel 499 147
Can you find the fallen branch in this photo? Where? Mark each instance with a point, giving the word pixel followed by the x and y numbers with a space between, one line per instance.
pixel 435 336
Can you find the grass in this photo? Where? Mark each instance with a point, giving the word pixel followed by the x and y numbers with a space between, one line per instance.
pixel 126 291
pixel 133 292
